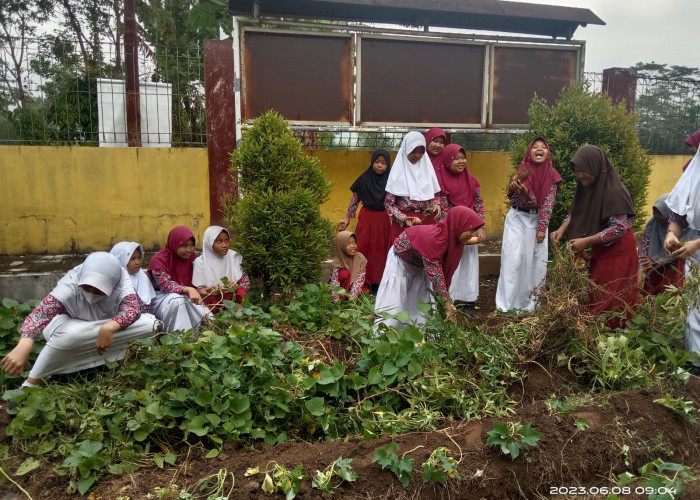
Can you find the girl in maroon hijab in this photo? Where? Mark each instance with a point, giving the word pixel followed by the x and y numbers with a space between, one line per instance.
pixel 177 301
pixel 459 188
pixel 524 249
pixel 601 217
pixel 693 142
pixel 424 257
pixel 435 140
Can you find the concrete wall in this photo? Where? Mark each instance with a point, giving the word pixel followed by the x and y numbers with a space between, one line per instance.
pixel 79 199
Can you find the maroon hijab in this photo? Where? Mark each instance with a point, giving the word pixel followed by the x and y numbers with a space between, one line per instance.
pixel 180 270
pixel 431 134
pixel 542 176
pixel 460 188
pixel 439 241
pixel 693 140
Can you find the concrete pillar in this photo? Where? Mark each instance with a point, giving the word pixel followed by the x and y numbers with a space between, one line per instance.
pixel 221 123
pixel 619 84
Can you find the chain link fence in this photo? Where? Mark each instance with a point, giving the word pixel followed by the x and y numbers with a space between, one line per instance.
pixel 51 93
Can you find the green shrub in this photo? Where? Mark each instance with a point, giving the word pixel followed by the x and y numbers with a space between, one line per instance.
pixel 580 118
pixel 278 225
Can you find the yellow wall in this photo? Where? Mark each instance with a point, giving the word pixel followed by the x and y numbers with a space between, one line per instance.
pixel 64 199
pixel 78 199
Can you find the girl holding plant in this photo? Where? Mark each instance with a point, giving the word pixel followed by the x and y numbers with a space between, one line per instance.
pixel 348 266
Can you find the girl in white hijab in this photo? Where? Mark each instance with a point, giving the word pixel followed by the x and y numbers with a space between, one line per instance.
pixel 216 262
pixel 130 255
pixel 412 189
pixel 88 319
pixel 684 203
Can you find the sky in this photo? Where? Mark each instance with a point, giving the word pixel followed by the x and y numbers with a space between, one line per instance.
pixel 663 31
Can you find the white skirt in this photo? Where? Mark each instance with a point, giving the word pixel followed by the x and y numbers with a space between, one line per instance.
pixel 71 344
pixel 403 285
pixel 523 262
pixel 465 280
pixel 692 332
pixel 177 312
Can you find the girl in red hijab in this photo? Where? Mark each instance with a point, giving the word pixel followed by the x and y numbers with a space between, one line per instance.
pixel 524 249
pixel 424 257
pixel 459 188
pixel 693 142
pixel 435 140
pixel 601 217
pixel 177 301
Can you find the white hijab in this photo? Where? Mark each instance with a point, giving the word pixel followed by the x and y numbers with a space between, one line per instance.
pixel 102 271
pixel 414 181
pixel 143 286
pixel 684 198
pixel 210 267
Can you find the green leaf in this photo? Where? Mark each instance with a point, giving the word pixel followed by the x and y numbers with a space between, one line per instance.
pixel 198 426
pixel 158 459
pixel 89 448
pixel 240 403
pixel 28 465
pixel 316 406
pixel 85 484
pixel 204 398
pixel 213 453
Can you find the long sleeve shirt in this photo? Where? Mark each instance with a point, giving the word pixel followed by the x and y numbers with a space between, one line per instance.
pixel 478 204
pixel 544 211
pixel 50 307
pixel 163 282
pixel 616 227
pixel 396 205
pixel 433 268
pixel 356 286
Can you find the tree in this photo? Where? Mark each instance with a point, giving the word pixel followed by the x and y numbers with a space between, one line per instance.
pixel 278 225
pixel 668 104
pixel 580 118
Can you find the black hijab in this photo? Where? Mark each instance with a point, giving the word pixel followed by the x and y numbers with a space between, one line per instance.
pixel 370 187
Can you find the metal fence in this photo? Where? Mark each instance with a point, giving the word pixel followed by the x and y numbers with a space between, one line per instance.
pixel 51 94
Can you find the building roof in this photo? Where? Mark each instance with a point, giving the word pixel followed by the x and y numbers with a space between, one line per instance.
pixel 491 15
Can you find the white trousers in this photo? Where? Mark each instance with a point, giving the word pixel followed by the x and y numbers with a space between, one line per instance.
pixel 465 280
pixel 692 332
pixel 177 312
pixel 403 285
pixel 523 262
pixel 71 344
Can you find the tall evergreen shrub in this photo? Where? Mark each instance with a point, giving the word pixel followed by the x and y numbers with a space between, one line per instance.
pixel 277 223
pixel 580 118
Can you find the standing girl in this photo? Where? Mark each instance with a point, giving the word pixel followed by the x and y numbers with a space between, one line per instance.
pixel 373 224
pixel 459 188
pixel 684 203
pixel 412 189
pixel 657 270
pixel 177 301
pixel 216 262
pixel 435 140
pixel 601 217
pixel 348 266
pixel 87 319
pixel 524 249
pixel 424 257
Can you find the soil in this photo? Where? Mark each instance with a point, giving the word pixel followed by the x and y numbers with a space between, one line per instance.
pixel 626 430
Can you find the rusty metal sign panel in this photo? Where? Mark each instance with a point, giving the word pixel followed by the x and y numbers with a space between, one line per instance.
pixel 304 77
pixel 521 72
pixel 408 81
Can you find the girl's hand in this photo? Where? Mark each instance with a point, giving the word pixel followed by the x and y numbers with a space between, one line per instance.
pixel 481 234
pixel 556 236
pixel 343 224
pixel 450 312
pixel 647 264
pixel 540 236
pixel 105 336
pixel 516 185
pixel 193 294
pixel 686 250
pixel 14 362
pixel 577 244
pixel 412 221
pixel 671 242
pixel 437 210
